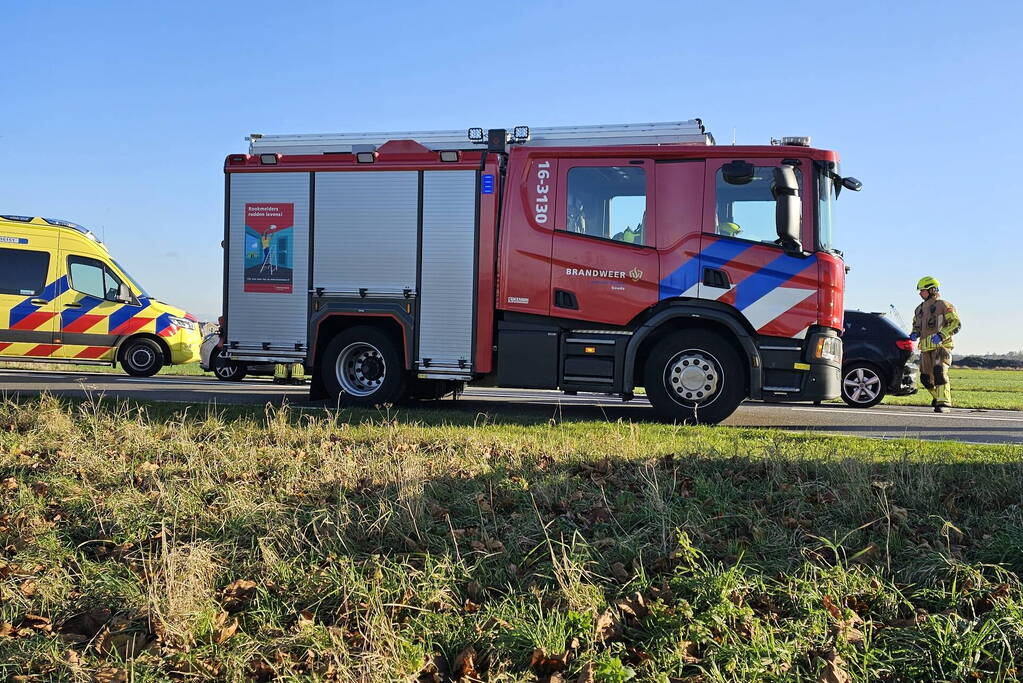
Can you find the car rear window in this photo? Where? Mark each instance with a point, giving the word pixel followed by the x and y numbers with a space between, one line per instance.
pixel 870 325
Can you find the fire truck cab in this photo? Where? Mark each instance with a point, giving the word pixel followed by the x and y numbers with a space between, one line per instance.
pixel 585 259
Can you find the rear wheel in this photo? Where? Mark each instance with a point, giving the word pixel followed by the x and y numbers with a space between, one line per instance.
pixel 226 369
pixel 361 366
pixel 862 385
pixel 141 357
pixel 694 376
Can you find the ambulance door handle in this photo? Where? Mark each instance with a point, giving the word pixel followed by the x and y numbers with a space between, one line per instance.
pixel 39 302
pixel 73 304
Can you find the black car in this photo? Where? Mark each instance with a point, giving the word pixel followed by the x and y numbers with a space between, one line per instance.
pixel 877 360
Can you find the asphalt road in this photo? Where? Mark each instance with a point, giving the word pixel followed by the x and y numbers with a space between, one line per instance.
pixel 974 426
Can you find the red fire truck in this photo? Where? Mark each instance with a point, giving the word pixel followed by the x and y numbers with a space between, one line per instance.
pixel 584 259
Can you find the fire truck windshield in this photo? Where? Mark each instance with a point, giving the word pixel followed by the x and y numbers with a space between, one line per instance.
pixel 825 205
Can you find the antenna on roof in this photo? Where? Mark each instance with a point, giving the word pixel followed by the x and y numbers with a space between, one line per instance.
pixel 733 136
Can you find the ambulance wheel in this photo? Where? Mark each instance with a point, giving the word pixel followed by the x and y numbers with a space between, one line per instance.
pixel 362 367
pixel 226 369
pixel 141 357
pixel 694 377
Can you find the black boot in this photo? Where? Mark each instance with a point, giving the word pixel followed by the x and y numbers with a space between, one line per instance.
pixel 942 408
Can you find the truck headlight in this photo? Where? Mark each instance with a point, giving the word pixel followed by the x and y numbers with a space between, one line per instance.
pixel 182 323
pixel 829 348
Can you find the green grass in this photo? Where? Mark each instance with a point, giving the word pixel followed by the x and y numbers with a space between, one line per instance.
pixel 186 369
pixel 982 389
pixel 151 542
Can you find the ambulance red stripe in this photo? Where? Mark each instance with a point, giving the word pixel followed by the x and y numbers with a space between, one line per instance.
pixel 83 323
pixel 42 350
pixel 131 325
pixel 92 352
pixel 33 321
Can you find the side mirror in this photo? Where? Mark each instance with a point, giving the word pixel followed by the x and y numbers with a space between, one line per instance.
pixel 788 208
pixel 851 183
pixel 124 294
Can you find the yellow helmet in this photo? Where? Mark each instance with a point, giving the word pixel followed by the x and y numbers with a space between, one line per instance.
pixel 729 229
pixel 927 282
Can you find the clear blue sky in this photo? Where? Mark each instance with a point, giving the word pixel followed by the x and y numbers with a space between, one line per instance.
pixel 119 115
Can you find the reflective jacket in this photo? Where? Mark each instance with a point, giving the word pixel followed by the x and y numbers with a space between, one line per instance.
pixel 936 316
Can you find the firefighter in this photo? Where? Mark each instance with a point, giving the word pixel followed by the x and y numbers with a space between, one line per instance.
pixel 728 229
pixel 289 373
pixel 934 323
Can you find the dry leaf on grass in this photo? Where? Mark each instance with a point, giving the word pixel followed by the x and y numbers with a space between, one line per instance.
pixel 986 603
pixel 111 674
pixel 607 627
pixel 545 665
pixel 690 652
pixel 238 593
pixel 465 663
pixel 37 623
pixel 834 669
pixel 435 670
pixel 126 645
pixel 634 606
pixel 588 674
pixel 619 572
pixel 85 626
pixel 226 632
pixel 305 619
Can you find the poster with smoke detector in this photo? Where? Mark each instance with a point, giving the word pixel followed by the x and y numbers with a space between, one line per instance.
pixel 269 243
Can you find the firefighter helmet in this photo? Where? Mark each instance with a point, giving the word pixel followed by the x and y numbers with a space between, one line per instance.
pixel 729 229
pixel 927 282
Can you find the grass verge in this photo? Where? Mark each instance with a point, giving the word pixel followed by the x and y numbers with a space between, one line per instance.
pixel 971 388
pixel 144 543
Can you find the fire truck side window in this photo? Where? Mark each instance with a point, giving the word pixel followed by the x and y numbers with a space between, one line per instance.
pixel 608 202
pixel 747 210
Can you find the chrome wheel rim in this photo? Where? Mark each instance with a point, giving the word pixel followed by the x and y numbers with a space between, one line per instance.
pixel 693 377
pixel 862 385
pixel 225 368
pixel 360 369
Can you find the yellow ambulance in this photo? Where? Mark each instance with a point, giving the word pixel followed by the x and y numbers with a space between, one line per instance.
pixel 63 299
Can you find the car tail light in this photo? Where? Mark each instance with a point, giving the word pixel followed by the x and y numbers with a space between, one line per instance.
pixel 905 344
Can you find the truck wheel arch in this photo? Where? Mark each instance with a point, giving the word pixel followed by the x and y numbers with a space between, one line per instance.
pixel 333 323
pixel 686 315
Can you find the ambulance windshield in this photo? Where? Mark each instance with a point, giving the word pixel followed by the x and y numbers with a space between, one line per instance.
pixel 134 282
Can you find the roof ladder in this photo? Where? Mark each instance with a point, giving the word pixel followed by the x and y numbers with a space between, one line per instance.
pixel 689 132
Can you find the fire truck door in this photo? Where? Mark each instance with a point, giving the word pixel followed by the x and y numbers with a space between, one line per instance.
pixel 448 274
pixel 267 263
pixel 775 290
pixel 604 256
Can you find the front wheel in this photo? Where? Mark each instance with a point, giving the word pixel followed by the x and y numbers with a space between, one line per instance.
pixel 695 377
pixel 141 357
pixel 862 385
pixel 361 366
